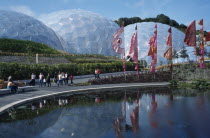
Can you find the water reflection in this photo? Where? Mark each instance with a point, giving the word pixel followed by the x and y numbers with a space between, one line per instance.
pixel 134 116
pixel 148 112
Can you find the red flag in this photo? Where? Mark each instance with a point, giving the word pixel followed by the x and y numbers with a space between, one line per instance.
pixel 208 36
pixel 200 22
pixel 168 54
pixel 117 41
pixel 169 30
pixel 190 35
pixel 169 40
pixel 133 53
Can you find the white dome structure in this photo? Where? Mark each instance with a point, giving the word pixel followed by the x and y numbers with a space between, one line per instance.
pixel 85 32
pixel 23 27
pixel 145 31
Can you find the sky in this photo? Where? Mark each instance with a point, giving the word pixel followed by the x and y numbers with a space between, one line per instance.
pixel 183 11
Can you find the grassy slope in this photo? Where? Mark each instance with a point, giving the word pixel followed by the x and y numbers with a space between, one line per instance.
pixel 23 46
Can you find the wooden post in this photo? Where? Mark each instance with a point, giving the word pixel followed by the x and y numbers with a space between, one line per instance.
pixel 37 60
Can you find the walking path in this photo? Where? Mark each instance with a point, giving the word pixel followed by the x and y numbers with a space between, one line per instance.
pixel 8 101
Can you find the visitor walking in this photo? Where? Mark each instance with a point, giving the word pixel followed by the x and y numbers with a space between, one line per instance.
pixel 41 77
pixel 59 79
pixel 44 82
pixel 71 78
pixel 55 79
pixel 63 78
pixel 98 73
pixel 48 80
pixel 95 73
pixel 66 78
pixel 32 82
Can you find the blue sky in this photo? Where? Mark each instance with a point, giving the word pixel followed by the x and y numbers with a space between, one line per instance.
pixel 183 11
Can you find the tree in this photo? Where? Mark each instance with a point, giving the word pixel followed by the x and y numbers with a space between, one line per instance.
pixel 173 23
pixel 175 54
pixel 183 53
pixel 163 19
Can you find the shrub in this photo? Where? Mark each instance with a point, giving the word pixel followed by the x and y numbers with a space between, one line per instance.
pixel 24 71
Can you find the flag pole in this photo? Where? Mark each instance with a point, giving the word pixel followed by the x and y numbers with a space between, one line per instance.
pixel 124 61
pixel 171 55
pixel 116 42
pixel 137 64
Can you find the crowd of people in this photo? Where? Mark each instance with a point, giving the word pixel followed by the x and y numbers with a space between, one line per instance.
pixel 59 78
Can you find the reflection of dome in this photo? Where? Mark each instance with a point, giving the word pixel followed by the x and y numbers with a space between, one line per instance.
pixel 145 31
pixel 85 32
pixel 19 26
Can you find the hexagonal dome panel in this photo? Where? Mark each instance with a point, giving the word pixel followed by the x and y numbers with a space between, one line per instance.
pixel 85 32
pixel 145 31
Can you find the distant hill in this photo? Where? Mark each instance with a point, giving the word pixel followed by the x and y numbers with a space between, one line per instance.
pixel 161 18
pixel 24 46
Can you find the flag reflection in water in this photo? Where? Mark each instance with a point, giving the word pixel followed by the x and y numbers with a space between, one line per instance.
pixel 130 122
pixel 152 112
pixel 134 116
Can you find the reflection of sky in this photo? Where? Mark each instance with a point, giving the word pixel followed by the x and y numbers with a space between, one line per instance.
pixel 175 116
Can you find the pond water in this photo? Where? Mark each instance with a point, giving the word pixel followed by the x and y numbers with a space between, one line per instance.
pixel 131 112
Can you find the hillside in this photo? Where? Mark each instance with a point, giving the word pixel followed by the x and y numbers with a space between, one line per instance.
pixel 22 51
pixel 23 46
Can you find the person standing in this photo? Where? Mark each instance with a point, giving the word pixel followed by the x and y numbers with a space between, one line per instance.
pixel 48 80
pixel 66 78
pixel 41 77
pixel 55 80
pixel 32 82
pixel 63 78
pixel 71 78
pixel 59 79
pixel 98 73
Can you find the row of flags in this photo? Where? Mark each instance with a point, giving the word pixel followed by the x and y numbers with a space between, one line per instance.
pixel 190 40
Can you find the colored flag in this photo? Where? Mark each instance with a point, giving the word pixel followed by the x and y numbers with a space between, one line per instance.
pixel 169 40
pixel 202 58
pixel 133 52
pixel 169 30
pixel 168 54
pixel 208 36
pixel 200 22
pixel 118 41
pixel 202 65
pixel 155 26
pixel 152 51
pixel 190 35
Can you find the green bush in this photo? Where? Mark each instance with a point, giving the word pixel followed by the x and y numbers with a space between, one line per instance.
pixel 24 71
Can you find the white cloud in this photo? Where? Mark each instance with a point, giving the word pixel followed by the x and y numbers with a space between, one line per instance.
pixel 22 9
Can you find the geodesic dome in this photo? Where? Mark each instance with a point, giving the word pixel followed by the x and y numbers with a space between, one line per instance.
pixel 145 31
pixel 85 32
pixel 23 27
